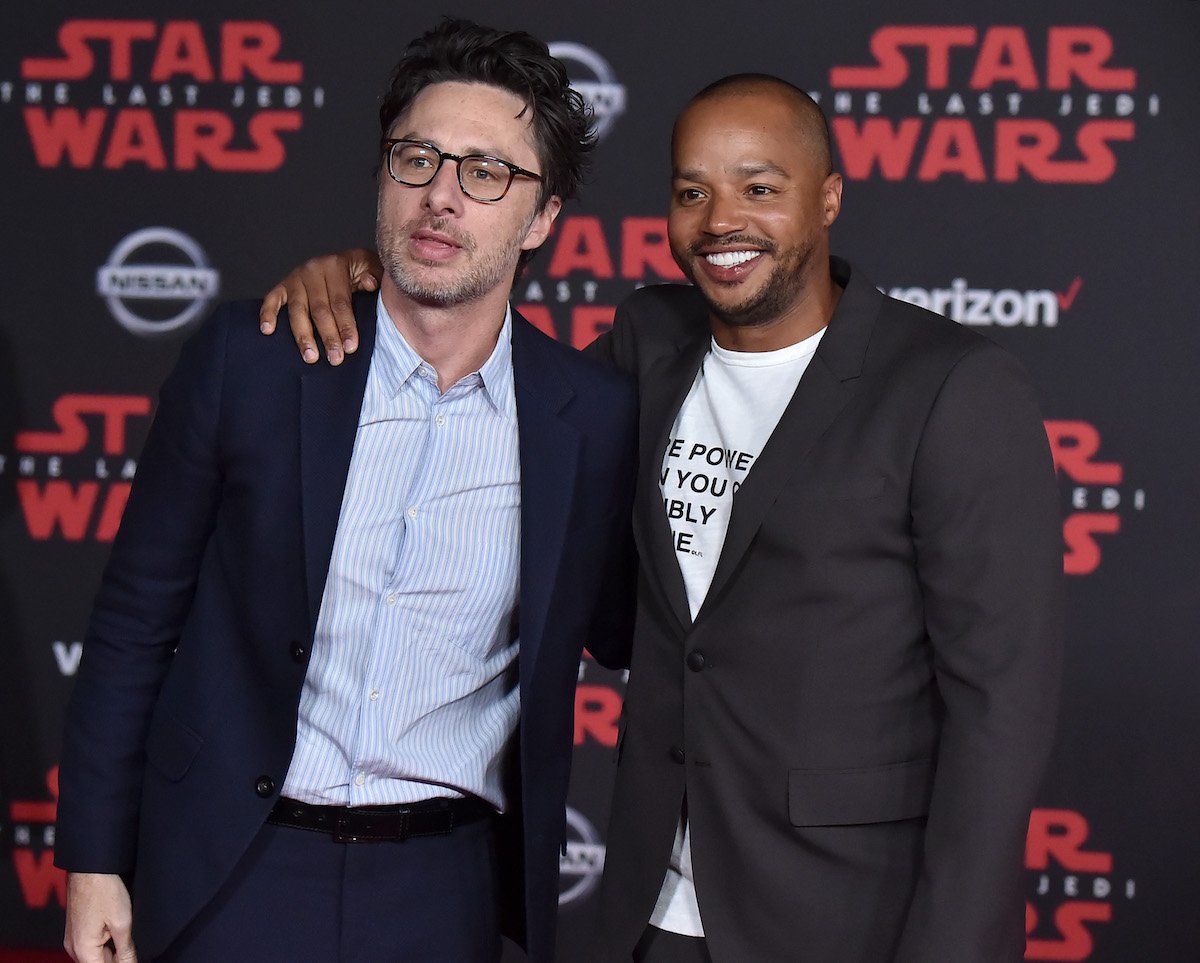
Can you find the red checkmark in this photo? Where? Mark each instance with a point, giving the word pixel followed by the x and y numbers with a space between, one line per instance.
pixel 1067 299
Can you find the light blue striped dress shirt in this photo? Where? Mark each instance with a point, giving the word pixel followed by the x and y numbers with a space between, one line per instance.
pixel 411 690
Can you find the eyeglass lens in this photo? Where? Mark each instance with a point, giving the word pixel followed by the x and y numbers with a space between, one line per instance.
pixel 483 178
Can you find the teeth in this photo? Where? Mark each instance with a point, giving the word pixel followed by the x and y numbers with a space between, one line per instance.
pixel 731 258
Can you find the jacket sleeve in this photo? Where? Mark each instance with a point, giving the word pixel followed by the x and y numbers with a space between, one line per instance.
pixel 138 614
pixel 611 631
pixel 612 625
pixel 987 534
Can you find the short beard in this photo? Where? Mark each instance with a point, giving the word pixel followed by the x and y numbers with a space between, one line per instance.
pixel 480 275
pixel 781 290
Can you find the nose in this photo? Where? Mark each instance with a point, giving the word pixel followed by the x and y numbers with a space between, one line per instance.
pixel 443 195
pixel 723 214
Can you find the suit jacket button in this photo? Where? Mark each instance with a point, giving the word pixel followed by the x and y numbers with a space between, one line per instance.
pixel 677 755
pixel 264 786
pixel 696 661
pixel 298 652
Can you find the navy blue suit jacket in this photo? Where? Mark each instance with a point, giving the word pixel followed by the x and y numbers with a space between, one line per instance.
pixel 183 719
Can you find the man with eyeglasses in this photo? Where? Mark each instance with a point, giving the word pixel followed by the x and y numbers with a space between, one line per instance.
pixel 325 707
pixel 844 676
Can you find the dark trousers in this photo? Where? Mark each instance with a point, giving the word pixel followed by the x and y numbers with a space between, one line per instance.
pixel 662 946
pixel 297 895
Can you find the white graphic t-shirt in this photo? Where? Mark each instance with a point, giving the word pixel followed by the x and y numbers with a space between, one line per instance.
pixel 733 406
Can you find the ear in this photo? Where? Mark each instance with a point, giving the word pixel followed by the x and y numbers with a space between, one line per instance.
pixel 543 220
pixel 831 194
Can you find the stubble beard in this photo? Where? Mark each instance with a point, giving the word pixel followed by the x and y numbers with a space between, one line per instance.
pixel 781 290
pixel 443 286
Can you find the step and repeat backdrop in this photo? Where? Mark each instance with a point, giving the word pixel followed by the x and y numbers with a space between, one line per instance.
pixel 1031 174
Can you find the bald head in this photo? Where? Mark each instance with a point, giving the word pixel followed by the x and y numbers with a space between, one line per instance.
pixel 752 202
pixel 810 122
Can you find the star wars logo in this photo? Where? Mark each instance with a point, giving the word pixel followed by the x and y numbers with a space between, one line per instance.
pixel 999 103
pixel 1096 493
pixel 588 268
pixel 33 848
pixel 177 95
pixel 1073 888
pixel 73 481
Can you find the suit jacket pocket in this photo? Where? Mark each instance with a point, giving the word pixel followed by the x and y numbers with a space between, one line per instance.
pixel 171 746
pixel 849 797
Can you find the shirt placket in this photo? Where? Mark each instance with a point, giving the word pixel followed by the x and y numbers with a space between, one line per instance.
pixel 375 701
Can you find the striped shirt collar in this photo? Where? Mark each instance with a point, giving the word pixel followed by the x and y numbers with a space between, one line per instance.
pixel 395 363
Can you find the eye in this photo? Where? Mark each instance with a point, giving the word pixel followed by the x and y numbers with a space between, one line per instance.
pixel 690 195
pixel 414 158
pixel 761 190
pixel 483 170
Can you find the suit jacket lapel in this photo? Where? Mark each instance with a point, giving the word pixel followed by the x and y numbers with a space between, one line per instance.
pixel 549 456
pixel 663 388
pixel 826 386
pixel 330 402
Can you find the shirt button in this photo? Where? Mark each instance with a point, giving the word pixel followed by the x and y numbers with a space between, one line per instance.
pixel 373 695
pixel 440 420
pixel 391 600
pixel 359 779
pixel 412 512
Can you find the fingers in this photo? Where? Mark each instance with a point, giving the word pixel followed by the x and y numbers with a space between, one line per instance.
pixel 299 319
pixel 318 298
pixel 352 270
pixel 357 269
pixel 345 326
pixel 304 293
pixel 292 293
pixel 331 312
pixel 364 268
pixel 107 938
pixel 98 911
pixel 123 946
pixel 321 287
pixel 275 299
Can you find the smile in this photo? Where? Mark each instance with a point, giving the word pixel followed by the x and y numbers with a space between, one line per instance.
pixel 728 259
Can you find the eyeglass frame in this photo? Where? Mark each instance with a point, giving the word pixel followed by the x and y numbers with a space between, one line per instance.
pixel 389 146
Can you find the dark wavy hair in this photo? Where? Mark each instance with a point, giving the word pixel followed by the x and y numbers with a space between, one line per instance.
pixel 461 50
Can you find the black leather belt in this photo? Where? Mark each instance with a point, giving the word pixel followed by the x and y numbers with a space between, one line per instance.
pixel 368 824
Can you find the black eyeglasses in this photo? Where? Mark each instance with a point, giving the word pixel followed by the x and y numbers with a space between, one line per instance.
pixel 482 178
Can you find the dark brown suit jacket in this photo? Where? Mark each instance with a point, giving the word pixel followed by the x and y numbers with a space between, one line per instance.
pixel 861 711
